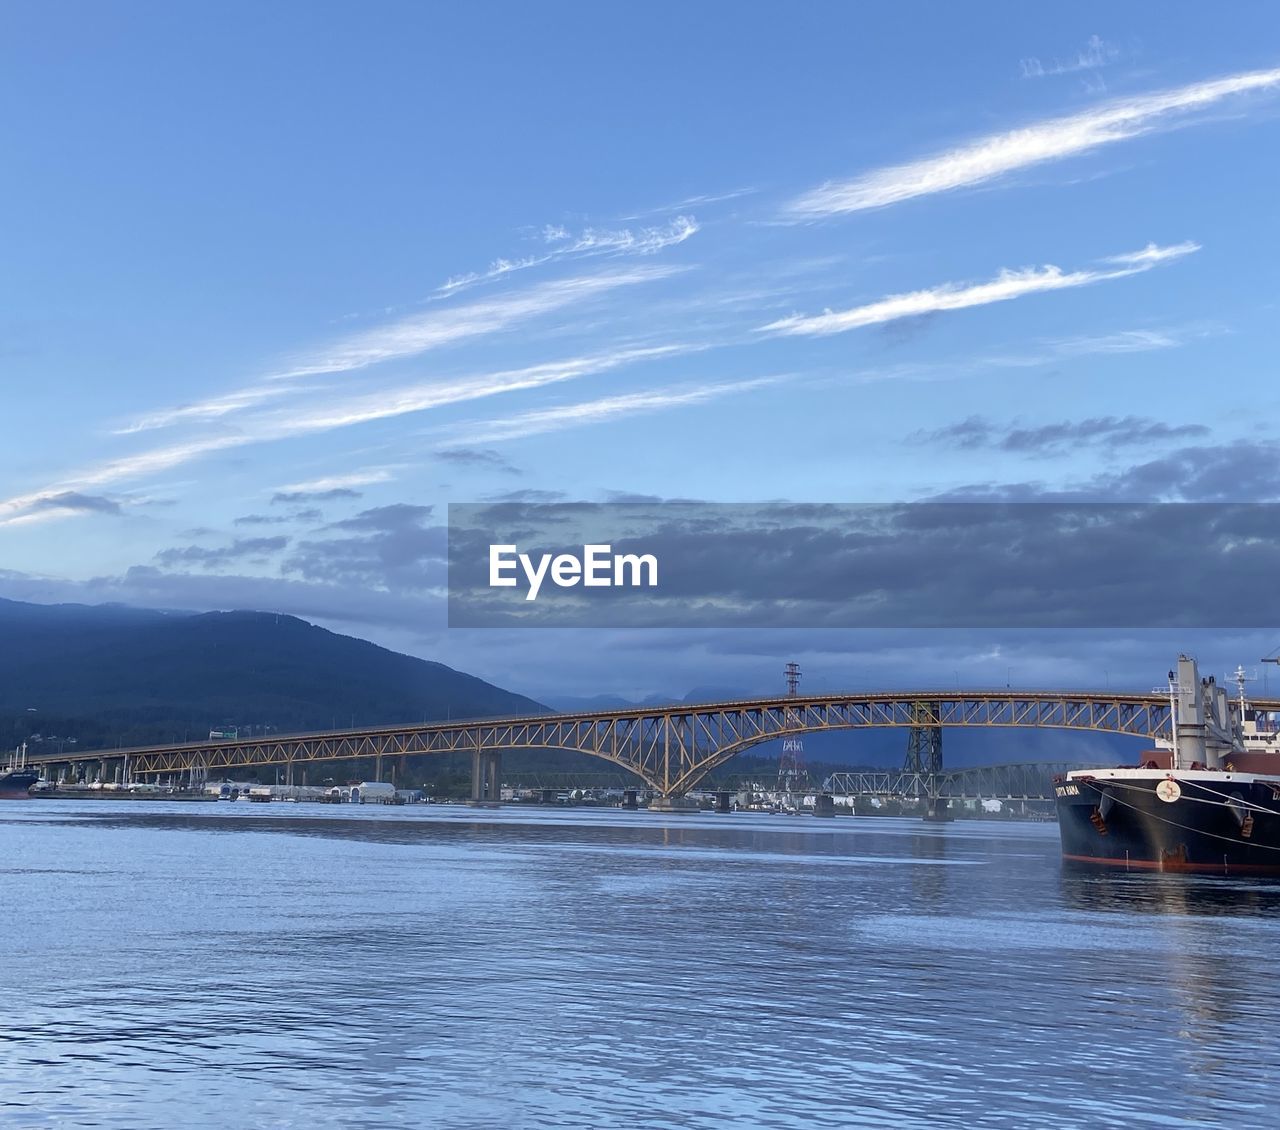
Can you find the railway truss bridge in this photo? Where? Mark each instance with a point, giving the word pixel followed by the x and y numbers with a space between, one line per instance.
pixel 669 748
pixel 1026 781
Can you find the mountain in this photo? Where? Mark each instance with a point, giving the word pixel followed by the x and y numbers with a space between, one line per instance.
pixel 107 675
pixel 586 704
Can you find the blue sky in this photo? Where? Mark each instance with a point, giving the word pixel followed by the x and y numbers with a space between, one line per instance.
pixel 277 279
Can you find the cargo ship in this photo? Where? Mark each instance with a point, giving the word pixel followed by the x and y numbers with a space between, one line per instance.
pixel 16 778
pixel 1206 800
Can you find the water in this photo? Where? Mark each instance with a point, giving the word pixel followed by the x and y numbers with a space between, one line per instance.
pixel 282 966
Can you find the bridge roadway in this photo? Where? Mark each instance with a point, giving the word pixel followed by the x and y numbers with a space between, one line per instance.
pixel 669 747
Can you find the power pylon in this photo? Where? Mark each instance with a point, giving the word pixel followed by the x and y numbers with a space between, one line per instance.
pixel 792 774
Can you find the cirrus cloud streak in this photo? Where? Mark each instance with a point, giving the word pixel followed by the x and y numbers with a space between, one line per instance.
pixel 415 335
pixel 342 412
pixel 601 410
pixel 1009 284
pixel 999 154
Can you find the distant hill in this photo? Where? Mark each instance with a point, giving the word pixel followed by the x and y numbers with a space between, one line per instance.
pixel 585 704
pixel 106 675
pixel 571 704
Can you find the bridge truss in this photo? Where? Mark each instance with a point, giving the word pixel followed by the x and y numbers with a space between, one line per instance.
pixel 1027 781
pixel 669 748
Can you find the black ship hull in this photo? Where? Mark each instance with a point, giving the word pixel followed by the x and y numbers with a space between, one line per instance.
pixel 1214 823
pixel 16 784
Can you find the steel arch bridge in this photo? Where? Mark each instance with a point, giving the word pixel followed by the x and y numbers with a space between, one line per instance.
pixel 670 748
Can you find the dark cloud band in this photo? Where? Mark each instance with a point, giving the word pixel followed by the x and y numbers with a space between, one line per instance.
pixel 920 565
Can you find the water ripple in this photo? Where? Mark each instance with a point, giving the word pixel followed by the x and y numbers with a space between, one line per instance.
pixel 374 968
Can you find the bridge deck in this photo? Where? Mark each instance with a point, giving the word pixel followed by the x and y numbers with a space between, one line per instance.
pixel 669 747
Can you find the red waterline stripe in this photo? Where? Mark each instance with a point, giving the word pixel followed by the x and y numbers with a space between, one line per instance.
pixel 1156 865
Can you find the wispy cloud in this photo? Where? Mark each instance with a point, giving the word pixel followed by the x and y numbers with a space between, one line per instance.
pixel 564 244
pixel 1061 349
pixel 696 201
pixel 366 477
pixel 74 500
pixel 339 413
pixel 1097 54
pixel 56 504
pixel 19 508
pixel 436 328
pixel 599 411
pixel 478 457
pixel 1035 354
pixel 308 515
pixel 333 481
pixel 333 494
pixel 1009 284
pixel 404 338
pixel 252 548
pixel 1122 341
pixel 645 241
pixel 205 410
pixel 1152 255
pixel 999 154
pixel 978 432
pixel 407 399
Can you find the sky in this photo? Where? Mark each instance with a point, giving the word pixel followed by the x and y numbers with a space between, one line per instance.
pixel 279 283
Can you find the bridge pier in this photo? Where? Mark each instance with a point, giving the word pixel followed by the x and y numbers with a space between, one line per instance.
pixel 672 804
pixel 938 810
pixel 629 801
pixel 486 778
pixel 924 757
pixel 722 802
pixel 824 804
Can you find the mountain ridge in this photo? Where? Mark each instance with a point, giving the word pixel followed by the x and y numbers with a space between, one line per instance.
pixel 132 676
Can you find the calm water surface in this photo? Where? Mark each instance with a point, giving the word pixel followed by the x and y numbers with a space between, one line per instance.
pixel 282 966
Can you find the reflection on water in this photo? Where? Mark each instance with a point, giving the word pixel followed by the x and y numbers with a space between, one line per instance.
pixel 312 967
pixel 1170 894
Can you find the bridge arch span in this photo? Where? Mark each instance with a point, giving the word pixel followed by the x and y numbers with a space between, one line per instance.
pixel 672 747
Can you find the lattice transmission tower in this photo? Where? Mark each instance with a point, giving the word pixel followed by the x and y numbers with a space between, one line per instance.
pixel 793 776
